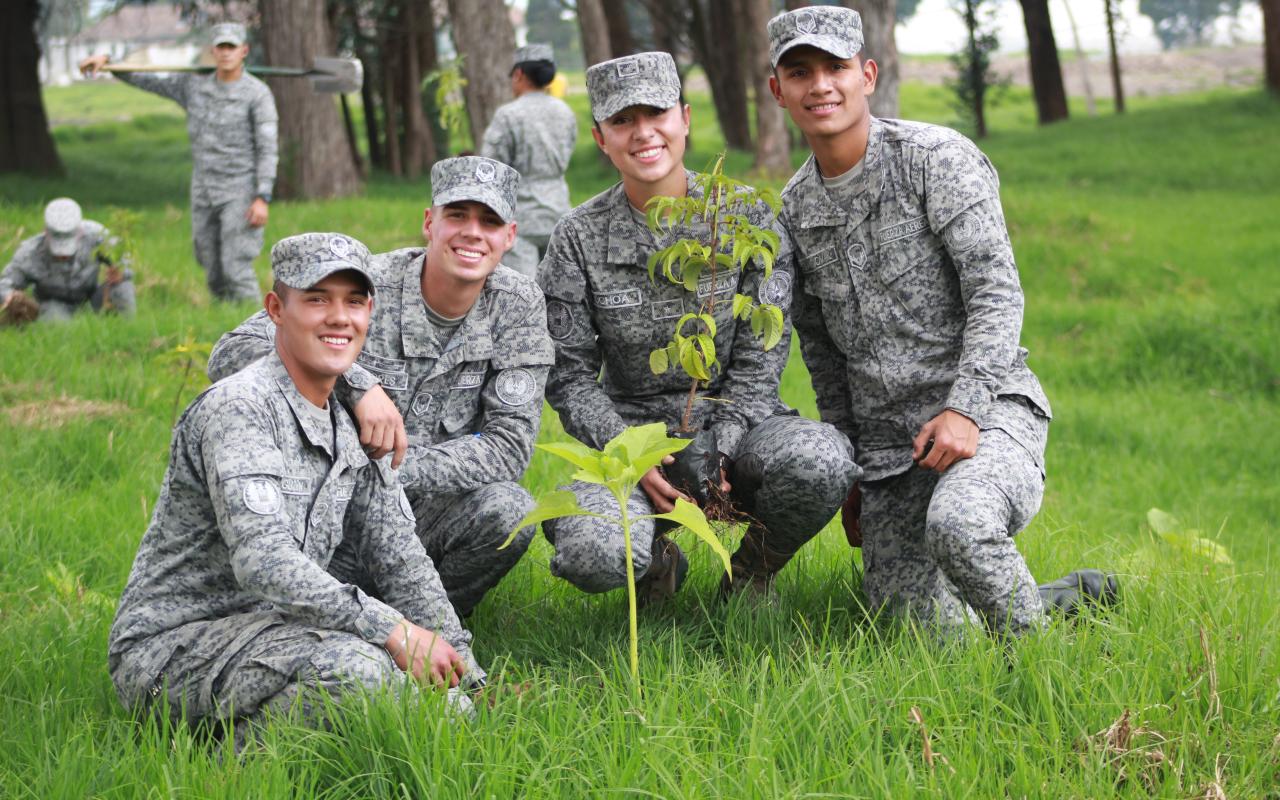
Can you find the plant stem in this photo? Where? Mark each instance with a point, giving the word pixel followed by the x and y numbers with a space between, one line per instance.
pixel 686 422
pixel 631 588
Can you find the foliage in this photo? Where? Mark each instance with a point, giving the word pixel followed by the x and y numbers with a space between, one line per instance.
pixel 732 241
pixel 619 468
pixel 1183 22
pixel 547 22
pixel 975 85
pixel 121 247
pixel 1176 545
pixel 450 103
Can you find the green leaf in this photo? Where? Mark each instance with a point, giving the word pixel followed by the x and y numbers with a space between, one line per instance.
pixel 692 362
pixel 1189 543
pixel 644 446
pixel 654 258
pixel 1162 522
pixel 757 321
pixel 773 325
pixel 708 347
pixel 709 322
pixel 687 515
pixel 741 306
pixel 557 504
pixel 575 453
pixel 658 361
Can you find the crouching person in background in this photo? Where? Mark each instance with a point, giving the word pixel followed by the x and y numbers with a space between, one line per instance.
pixel 280 562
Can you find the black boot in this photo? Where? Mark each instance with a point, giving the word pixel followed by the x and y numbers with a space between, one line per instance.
pixel 1070 593
pixel 753 568
pixel 668 567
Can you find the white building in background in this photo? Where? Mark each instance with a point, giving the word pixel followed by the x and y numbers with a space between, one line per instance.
pixel 153 33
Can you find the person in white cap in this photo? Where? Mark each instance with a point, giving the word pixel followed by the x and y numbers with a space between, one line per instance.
pixel 232 123
pixel 61 267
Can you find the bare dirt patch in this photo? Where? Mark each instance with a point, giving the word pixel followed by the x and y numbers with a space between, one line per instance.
pixel 57 412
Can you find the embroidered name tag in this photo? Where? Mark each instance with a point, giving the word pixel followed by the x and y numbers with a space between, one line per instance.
pixel 295 485
pixel 666 309
pixel 615 300
pixel 823 257
pixel 468 380
pixel 392 380
pixel 724 283
pixel 903 229
pixel 343 491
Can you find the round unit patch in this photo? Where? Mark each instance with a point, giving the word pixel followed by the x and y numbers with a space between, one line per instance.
pixel 405 507
pixel 964 231
pixel 559 319
pixel 777 290
pixel 262 496
pixel 515 387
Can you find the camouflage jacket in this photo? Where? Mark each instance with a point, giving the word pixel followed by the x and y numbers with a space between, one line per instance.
pixel 233 129
pixel 908 300
pixel 606 317
pixel 258 500
pixel 535 134
pixel 71 281
pixel 471 408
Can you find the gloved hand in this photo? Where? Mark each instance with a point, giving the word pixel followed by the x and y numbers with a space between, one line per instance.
pixel 746 476
pixel 851 516
pixel 695 466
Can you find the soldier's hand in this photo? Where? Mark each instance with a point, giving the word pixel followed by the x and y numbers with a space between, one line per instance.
pixel 114 275
pixel 944 440
pixel 661 493
pixel 425 655
pixel 381 426
pixel 257 213
pixel 851 516
pixel 90 66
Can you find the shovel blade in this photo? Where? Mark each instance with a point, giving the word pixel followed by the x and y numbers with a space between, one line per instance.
pixel 337 75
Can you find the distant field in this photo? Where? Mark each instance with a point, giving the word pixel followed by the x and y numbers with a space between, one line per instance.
pixel 1148 247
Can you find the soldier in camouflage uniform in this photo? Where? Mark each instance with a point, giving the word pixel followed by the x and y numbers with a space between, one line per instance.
pixel 61 265
pixel 279 558
pixel 460 345
pixel 534 134
pixel 909 310
pixel 232 123
pixel 790 474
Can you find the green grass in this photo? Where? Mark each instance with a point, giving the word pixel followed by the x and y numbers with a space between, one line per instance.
pixel 1147 245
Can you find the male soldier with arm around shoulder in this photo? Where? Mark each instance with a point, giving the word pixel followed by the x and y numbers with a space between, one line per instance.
pixel 279 559
pixel 458 347
pixel 909 311
pixel 788 473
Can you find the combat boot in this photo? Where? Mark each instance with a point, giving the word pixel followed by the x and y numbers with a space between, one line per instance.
pixel 753 568
pixel 1073 592
pixel 668 567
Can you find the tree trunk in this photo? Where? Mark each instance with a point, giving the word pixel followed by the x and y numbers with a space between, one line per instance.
pixel 879 43
pixel 1271 38
pixel 1083 63
pixel 419 150
pixel 621 42
pixel 483 36
pixel 594 30
pixel 1117 87
pixel 1042 56
pixel 314 158
pixel 716 35
pixel 773 157
pixel 26 145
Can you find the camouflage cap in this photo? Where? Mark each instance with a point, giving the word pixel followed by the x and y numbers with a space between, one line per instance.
pixel 302 261
pixel 644 79
pixel 835 29
pixel 534 52
pixel 476 178
pixel 62 219
pixel 228 33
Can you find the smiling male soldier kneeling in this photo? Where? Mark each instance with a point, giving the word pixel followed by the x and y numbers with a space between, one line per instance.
pixel 274 532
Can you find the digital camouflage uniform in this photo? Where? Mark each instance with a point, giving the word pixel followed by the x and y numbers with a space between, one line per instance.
pixel 535 134
pixel 908 303
pixel 605 317
pixel 61 286
pixel 278 559
pixel 471 407
pixel 233 131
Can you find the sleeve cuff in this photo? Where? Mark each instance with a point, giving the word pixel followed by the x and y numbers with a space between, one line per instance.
pixel 376 620
pixel 970 397
pixel 728 436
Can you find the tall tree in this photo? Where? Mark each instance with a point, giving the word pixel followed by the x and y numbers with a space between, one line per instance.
pixel 546 24
pixel 1184 22
pixel 1042 57
pixel 773 157
pixel 315 159
pixel 484 37
pixel 26 145
pixel 879 43
pixel 595 32
pixel 1117 86
pixel 1271 48
pixel 621 42
pixel 716 35
pixel 974 79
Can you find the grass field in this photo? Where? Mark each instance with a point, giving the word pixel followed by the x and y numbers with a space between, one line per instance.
pixel 1148 250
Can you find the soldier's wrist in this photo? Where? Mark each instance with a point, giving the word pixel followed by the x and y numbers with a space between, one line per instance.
pixel 264 197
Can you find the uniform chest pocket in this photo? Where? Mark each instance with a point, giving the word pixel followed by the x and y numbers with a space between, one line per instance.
pixel 899 256
pixel 624 314
pixel 462 405
pixel 823 272
pixel 922 285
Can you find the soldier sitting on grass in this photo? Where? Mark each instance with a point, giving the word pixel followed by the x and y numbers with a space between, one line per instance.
pixel 61 268
pixel 279 560
pixel 458 354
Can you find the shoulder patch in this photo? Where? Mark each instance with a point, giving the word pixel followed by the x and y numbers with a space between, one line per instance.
pixel 777 290
pixel 559 319
pixel 964 231
pixel 405 507
pixel 515 386
pixel 262 496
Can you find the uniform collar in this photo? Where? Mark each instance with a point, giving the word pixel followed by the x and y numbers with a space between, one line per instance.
pixel 471 341
pixel 348 442
pixel 624 245
pixel 818 209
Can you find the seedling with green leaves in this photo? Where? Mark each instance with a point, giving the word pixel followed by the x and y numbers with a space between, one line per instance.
pixel 732 242
pixel 117 251
pixel 618 468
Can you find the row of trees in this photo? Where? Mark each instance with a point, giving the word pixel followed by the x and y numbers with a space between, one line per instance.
pixel 397 41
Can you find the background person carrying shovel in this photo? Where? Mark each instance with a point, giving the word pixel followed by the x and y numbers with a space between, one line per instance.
pixel 232 122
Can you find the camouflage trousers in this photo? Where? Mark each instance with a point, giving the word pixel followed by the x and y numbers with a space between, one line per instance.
pixel 462 533
pixel 940 547
pixel 526 254
pixel 123 301
pixel 254 664
pixel 226 246
pixel 808 469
